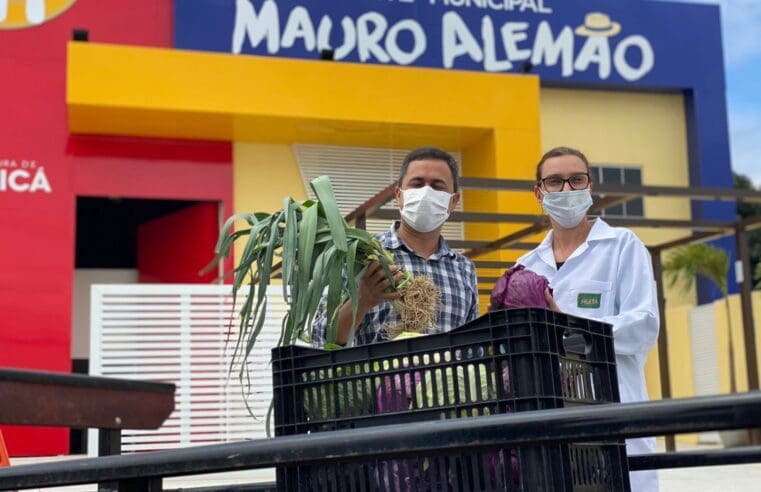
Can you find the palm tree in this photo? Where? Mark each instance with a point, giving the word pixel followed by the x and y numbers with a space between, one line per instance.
pixel 710 262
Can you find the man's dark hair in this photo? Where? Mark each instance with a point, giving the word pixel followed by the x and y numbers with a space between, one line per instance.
pixel 560 152
pixel 426 153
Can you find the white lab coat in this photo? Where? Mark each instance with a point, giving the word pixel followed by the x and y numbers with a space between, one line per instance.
pixel 614 263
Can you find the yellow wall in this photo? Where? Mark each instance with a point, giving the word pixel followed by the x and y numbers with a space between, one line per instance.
pixel 680 362
pixel 519 153
pixel 478 160
pixel 680 353
pixel 152 92
pixel 263 175
pixel 738 339
pixel 627 130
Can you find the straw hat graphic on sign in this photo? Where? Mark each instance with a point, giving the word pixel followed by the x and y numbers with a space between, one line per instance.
pixel 598 24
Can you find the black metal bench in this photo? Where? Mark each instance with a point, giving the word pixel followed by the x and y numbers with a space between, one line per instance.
pixel 84 402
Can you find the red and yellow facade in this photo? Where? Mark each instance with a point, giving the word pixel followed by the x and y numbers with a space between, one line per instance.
pixel 128 116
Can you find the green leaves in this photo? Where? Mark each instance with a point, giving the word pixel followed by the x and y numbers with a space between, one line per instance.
pixel 319 253
pixel 337 224
pixel 702 259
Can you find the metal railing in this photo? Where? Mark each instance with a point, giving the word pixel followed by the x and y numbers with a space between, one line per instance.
pixel 146 471
pixel 690 459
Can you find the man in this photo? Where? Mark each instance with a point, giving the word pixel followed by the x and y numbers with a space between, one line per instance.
pixel 427 192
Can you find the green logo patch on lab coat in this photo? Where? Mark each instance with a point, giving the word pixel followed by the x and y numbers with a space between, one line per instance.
pixel 589 301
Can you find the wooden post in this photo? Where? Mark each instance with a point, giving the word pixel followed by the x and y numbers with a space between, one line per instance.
pixel 663 344
pixel 746 287
pixel 746 302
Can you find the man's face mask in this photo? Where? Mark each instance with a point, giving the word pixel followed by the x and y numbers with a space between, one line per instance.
pixel 425 209
pixel 567 208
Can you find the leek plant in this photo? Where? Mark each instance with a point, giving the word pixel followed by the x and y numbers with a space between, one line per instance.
pixel 318 251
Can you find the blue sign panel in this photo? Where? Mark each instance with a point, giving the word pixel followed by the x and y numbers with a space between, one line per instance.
pixel 625 42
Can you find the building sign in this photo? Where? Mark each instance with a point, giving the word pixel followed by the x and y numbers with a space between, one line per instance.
pixel 17 14
pixel 23 176
pixel 629 41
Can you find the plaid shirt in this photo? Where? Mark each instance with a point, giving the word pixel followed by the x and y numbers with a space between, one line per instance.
pixel 453 274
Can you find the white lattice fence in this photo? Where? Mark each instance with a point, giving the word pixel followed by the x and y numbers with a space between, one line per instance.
pixel 181 334
pixel 705 357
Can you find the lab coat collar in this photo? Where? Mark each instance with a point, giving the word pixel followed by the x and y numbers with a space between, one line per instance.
pixel 544 250
pixel 600 231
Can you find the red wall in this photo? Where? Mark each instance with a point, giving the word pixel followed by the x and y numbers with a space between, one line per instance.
pixel 37 229
pixel 193 233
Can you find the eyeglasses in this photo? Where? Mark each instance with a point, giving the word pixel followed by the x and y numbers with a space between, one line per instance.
pixel 577 181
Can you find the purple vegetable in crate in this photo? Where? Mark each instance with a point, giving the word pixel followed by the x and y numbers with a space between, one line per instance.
pixel 496 461
pixel 392 396
pixel 411 475
pixel 518 288
pixel 404 476
pixel 506 380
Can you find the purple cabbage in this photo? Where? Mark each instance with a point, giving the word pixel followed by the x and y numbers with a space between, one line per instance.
pixel 407 475
pixel 496 462
pixel 392 396
pixel 395 394
pixel 519 288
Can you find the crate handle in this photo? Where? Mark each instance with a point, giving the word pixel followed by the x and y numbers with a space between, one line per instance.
pixel 576 342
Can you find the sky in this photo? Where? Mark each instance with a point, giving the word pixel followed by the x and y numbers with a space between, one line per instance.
pixel 741 25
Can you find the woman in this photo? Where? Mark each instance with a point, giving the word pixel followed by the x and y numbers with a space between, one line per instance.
pixel 600 272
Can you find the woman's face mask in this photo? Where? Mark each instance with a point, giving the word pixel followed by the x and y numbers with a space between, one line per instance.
pixel 567 208
pixel 425 209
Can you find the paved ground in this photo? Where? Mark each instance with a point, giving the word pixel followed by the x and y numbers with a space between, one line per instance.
pixel 740 478
pixel 736 478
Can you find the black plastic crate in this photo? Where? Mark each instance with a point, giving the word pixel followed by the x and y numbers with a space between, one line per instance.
pixel 505 361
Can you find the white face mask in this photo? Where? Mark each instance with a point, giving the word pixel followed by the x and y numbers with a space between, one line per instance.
pixel 425 209
pixel 567 208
